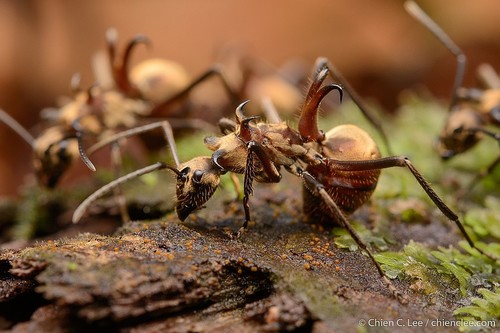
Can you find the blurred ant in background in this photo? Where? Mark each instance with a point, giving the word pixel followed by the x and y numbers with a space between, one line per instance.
pixel 339 169
pixel 123 102
pixel 471 110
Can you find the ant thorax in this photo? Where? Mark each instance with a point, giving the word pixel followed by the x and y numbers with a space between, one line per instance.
pixel 276 144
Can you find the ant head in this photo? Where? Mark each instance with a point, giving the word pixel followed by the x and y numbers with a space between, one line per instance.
pixel 53 155
pixel 459 133
pixel 197 181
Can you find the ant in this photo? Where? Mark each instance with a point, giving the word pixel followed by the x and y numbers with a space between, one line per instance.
pixel 160 81
pixel 106 108
pixel 471 110
pixel 339 169
pixel 93 112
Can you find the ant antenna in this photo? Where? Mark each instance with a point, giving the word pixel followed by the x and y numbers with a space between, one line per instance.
pixel 417 12
pixel 79 138
pixel 77 215
pixel 16 127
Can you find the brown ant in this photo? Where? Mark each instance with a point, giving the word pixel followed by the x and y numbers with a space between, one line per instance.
pixel 58 143
pixel 339 169
pixel 471 110
pixel 158 80
pixel 104 109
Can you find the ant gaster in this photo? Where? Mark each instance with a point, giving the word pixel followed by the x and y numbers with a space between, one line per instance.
pixel 471 109
pixel 339 169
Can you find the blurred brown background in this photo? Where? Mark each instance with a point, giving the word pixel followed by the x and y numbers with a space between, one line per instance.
pixel 377 46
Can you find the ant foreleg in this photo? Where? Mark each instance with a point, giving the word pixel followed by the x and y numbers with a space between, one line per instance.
pixel 316 188
pixel 400 161
pixel 256 150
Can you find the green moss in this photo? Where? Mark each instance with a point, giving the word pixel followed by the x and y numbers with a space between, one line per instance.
pixel 37 212
pixel 484 311
pixel 484 220
pixel 343 239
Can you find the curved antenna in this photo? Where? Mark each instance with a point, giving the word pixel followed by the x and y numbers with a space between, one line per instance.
pixel 16 127
pixel 79 139
pixel 80 210
pixel 418 13
pixel 79 131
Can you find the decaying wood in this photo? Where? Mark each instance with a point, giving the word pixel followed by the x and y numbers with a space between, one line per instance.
pixel 163 275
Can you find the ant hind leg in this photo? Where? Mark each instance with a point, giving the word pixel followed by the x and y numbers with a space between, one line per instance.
pixel 319 190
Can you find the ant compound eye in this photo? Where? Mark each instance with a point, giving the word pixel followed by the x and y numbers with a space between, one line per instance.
pixel 184 173
pixel 458 130
pixel 197 176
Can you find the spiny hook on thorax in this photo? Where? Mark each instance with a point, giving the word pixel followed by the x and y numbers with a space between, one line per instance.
pixel 244 131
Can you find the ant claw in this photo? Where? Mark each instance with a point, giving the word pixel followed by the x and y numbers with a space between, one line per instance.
pixel 240 232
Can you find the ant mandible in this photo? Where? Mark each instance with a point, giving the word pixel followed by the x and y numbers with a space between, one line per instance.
pixel 339 169
pixel 470 110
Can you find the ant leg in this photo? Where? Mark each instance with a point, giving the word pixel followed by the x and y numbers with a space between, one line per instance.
pixel 214 70
pixel 400 161
pixel 256 150
pixel 414 10
pixel 16 127
pixel 483 174
pixel 116 159
pixel 488 76
pixel 492 166
pixel 236 184
pixel 227 126
pixel 248 187
pixel 272 115
pixel 164 125
pixel 356 98
pixel 318 189
pixel 80 210
pixel 308 121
